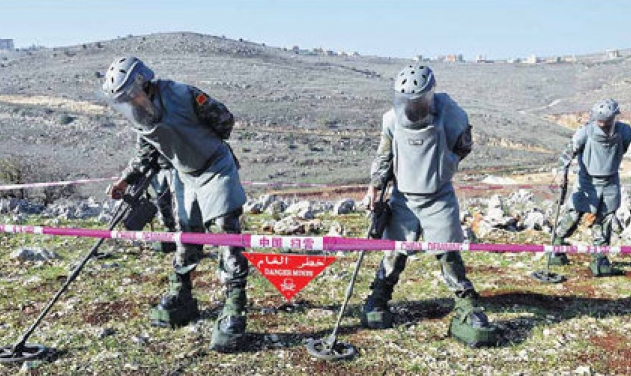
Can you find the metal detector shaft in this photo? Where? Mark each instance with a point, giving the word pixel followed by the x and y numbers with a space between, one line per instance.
pixel 560 202
pixel 349 292
pixel 116 218
pixel 19 346
pixel 331 349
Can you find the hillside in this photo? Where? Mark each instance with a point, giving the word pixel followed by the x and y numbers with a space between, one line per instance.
pixel 301 118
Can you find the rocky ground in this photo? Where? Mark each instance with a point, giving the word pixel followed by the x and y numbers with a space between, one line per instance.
pixel 301 118
pixel 100 325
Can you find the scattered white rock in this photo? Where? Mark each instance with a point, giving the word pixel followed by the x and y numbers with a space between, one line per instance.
pixel 35 254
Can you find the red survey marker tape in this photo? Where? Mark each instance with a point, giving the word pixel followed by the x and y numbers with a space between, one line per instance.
pixel 308 243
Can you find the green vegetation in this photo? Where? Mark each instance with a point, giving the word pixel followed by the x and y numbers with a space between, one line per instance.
pixel 100 325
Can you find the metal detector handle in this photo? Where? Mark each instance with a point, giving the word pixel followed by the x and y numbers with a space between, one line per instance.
pixel 135 191
pixel 566 171
pixel 379 216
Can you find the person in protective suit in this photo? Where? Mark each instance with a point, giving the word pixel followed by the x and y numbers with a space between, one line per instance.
pixel 424 137
pixel 599 145
pixel 188 128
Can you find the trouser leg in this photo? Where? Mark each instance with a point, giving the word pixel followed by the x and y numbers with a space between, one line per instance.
pixel 454 274
pixel 189 219
pixel 568 223
pixel 600 265
pixel 229 329
pixel 233 266
pixel 165 208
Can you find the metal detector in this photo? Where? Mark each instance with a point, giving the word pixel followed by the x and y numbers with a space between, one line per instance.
pixel 22 351
pixel 330 348
pixel 546 276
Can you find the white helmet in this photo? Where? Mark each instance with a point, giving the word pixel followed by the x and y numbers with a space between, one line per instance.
pixel 605 110
pixel 414 79
pixel 124 72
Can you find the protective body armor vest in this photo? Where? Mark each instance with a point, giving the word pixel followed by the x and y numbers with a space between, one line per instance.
pixel 601 155
pixel 186 142
pixel 423 156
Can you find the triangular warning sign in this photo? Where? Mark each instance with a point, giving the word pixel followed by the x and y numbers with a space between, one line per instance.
pixel 289 273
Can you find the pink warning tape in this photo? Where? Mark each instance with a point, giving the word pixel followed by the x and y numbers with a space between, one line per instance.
pixel 53 184
pixel 482 187
pixel 307 243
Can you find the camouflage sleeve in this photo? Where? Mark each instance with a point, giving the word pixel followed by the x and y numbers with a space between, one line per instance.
pixel 625 130
pixel 464 143
pixel 145 155
pixel 381 168
pixel 565 160
pixel 212 113
pixel 573 148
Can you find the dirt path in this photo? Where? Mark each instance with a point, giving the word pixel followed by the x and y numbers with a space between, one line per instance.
pixel 55 102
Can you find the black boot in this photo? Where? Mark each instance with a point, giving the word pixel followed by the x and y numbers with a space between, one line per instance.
pixel 229 329
pixel 163 247
pixel 177 307
pixel 376 314
pixel 600 266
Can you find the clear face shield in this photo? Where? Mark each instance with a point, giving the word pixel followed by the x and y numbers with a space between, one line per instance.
pixel 607 124
pixel 135 105
pixel 414 109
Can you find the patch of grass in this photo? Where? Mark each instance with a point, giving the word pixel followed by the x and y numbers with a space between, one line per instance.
pixel 546 328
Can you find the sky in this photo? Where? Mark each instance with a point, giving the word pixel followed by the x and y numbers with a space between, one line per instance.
pixel 495 29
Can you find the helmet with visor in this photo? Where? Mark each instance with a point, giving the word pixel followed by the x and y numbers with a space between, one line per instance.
pixel 414 95
pixel 126 83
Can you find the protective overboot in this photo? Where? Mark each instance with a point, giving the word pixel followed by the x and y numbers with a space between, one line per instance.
pixel 601 267
pixel 376 314
pixel 163 247
pixel 470 325
pixel 559 259
pixel 177 307
pixel 229 329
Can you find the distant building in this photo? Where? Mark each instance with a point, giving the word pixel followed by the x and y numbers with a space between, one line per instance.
pixel 418 58
pixel 612 54
pixel 532 59
pixel 7 44
pixel 514 60
pixel 454 58
pixel 482 59
pixel 554 60
pixel 348 54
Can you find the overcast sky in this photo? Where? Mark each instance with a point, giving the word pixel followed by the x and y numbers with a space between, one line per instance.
pixel 493 28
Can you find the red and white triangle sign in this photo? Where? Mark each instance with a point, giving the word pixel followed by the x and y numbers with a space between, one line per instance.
pixel 289 273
